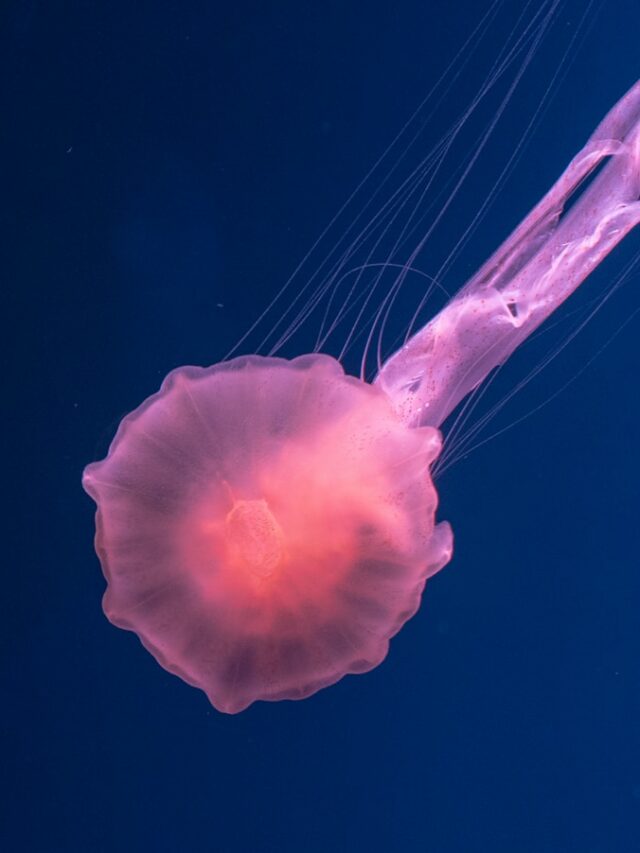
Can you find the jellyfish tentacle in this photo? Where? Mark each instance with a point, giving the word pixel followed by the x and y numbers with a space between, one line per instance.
pixel 546 258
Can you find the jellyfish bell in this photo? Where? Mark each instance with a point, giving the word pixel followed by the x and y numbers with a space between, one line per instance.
pixel 266 526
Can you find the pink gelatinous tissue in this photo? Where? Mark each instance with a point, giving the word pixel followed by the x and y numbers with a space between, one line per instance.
pixel 266 526
pixel 538 266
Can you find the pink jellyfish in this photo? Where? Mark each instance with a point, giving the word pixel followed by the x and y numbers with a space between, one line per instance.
pixel 266 526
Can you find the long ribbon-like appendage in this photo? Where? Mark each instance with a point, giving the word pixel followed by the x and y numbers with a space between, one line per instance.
pixel 543 261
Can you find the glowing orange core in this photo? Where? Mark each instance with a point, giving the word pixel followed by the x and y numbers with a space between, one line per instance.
pixel 254 537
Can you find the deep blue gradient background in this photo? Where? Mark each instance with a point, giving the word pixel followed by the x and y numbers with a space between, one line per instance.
pixel 165 165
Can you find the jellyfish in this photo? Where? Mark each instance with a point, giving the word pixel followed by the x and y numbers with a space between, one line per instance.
pixel 266 526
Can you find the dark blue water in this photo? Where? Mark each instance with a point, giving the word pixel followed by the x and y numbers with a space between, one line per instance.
pixel 165 166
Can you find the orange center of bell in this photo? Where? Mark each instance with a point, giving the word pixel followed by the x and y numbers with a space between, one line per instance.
pixel 254 537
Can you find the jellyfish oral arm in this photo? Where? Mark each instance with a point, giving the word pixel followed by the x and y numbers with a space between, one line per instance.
pixel 545 259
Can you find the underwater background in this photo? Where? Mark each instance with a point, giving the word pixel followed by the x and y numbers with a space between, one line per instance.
pixel 166 165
